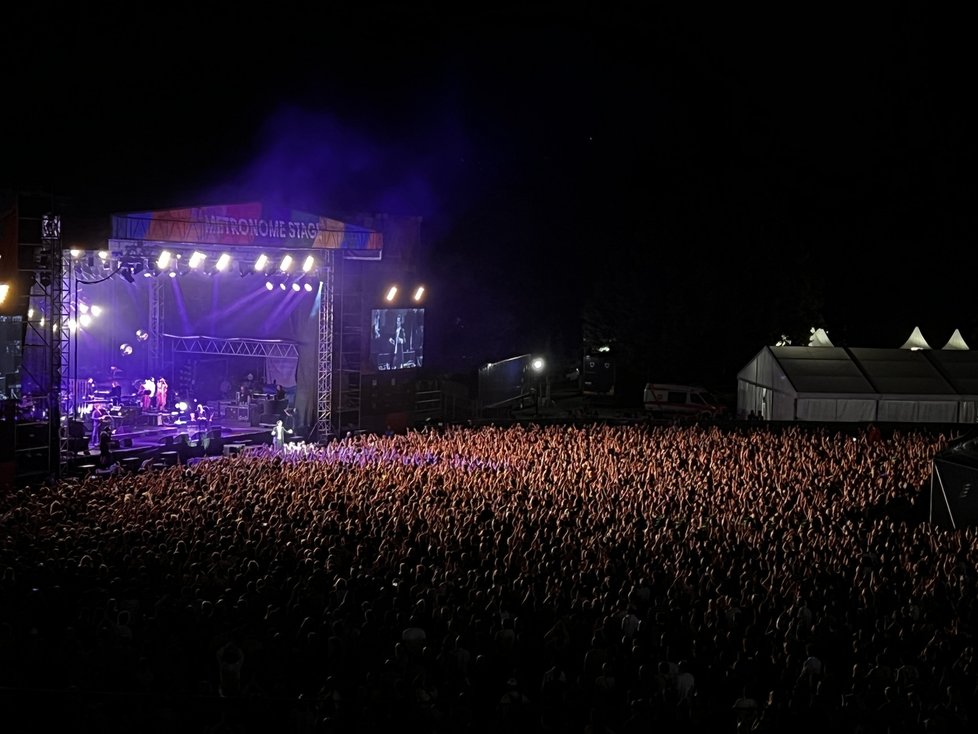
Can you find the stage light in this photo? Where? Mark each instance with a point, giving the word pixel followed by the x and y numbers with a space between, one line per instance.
pixel 222 262
pixel 296 287
pixel 261 262
pixel 172 273
pixel 538 364
pixel 4 290
pixel 281 286
pixel 125 349
pixel 196 259
pixel 82 307
pixel 268 285
pixel 285 264
pixel 391 294
pixel 163 260
pixel 75 252
pixel 96 310
pixel 308 287
pixel 142 335
pixel 103 255
pixel 309 264
pixel 418 293
pixel 71 324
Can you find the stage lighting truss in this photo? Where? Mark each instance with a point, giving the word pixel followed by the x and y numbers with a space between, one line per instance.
pixel 154 260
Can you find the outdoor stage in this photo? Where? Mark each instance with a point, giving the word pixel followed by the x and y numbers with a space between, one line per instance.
pixel 156 441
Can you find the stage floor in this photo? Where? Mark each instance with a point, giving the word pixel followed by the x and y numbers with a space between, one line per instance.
pixel 139 446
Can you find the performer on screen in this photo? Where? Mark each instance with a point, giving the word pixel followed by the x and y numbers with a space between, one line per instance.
pixel 398 340
pixel 161 390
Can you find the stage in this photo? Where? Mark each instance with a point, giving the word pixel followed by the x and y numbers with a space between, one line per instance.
pixel 155 440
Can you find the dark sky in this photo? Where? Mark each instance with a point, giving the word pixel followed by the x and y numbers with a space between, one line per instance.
pixel 729 151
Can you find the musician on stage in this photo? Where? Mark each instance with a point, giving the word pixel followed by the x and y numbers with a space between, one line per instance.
pixel 202 416
pixel 161 390
pixel 149 390
pixel 101 418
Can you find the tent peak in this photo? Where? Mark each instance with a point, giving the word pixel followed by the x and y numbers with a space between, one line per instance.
pixel 956 341
pixel 916 341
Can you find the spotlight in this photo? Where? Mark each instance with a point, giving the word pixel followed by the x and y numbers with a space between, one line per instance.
pixel 296 287
pixel 223 261
pixel 286 264
pixel 537 364
pixel 308 264
pixel 196 259
pixel 142 335
pixel 391 294
pixel 308 287
pixel 96 310
pixel 125 349
pixel 268 285
pixel 163 260
pixel 418 293
pixel 281 286
pixel 261 262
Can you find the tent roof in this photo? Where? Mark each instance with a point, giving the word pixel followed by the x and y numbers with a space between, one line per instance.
pixel 869 371
pixel 821 369
pixel 901 371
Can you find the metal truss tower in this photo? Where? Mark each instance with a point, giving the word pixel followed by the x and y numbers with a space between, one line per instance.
pixel 324 382
pixel 351 320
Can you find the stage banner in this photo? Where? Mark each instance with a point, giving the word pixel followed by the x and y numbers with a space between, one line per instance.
pixel 251 224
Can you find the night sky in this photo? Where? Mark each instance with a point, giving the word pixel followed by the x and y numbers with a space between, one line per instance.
pixel 705 178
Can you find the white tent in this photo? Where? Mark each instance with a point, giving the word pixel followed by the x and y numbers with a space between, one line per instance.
pixel 956 341
pixel 916 340
pixel 837 384
pixel 819 338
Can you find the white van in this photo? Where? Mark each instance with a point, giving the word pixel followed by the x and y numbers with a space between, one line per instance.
pixel 681 400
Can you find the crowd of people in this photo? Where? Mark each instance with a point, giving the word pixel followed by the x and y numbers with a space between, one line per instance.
pixel 595 579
